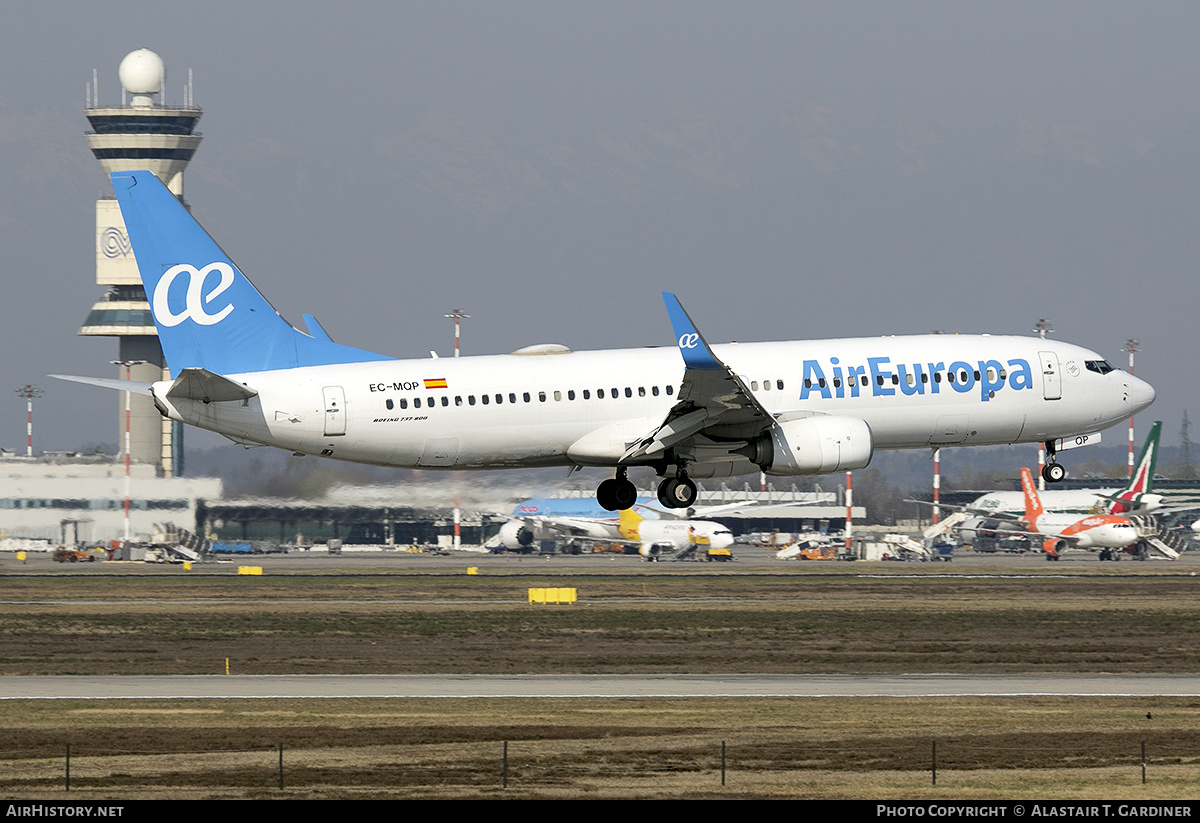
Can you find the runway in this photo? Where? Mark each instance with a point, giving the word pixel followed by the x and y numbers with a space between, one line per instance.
pixel 595 686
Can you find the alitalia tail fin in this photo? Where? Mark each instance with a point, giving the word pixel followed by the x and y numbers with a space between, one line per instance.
pixel 208 314
pixel 1142 480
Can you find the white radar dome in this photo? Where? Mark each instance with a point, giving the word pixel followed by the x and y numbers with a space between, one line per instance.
pixel 141 72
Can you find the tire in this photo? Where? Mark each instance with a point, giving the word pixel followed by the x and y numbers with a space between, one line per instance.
pixel 1053 473
pixel 677 492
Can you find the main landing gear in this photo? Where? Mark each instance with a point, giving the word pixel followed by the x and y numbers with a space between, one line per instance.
pixel 677 492
pixel 618 493
pixel 1052 472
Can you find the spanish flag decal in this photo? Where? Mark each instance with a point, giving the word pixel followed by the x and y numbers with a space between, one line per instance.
pixel 436 383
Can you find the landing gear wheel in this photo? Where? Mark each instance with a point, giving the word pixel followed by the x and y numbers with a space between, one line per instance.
pixel 677 492
pixel 1053 473
pixel 616 493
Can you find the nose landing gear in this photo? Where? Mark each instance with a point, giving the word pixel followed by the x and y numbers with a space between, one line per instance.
pixel 1052 472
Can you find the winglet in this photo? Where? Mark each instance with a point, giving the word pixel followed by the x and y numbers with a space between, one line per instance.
pixel 315 329
pixel 692 345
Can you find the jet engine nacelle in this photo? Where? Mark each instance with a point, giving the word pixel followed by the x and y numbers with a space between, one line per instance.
pixel 1054 546
pixel 516 535
pixel 651 551
pixel 821 444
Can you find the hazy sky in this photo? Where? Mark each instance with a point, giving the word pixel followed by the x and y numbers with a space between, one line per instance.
pixel 790 169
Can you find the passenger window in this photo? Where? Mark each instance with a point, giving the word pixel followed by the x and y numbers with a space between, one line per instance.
pixel 526 396
pixel 558 397
pixel 587 394
pixel 541 397
pixel 570 394
pixel 403 403
pixel 753 385
pixel 485 399
pixel 458 401
pixel 512 397
pixel 641 391
pixel 654 390
pixel 779 385
pixel 416 402
pixel 670 390
pixel 600 393
pixel 389 404
pixel 445 401
pixel 470 400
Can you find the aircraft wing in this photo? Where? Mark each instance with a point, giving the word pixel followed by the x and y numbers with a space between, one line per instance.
pixel 570 527
pixel 712 400
pixel 984 513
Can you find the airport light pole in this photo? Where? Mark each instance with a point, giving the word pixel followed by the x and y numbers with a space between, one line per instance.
pixel 849 509
pixel 457 316
pixel 1131 346
pixel 29 392
pixel 937 484
pixel 128 364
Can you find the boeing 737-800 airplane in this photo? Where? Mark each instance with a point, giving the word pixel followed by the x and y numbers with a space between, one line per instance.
pixel 693 410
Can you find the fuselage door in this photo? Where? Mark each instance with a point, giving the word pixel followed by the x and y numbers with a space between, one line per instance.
pixel 1051 378
pixel 335 411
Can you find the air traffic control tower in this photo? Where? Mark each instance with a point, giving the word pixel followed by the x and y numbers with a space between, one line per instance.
pixel 161 138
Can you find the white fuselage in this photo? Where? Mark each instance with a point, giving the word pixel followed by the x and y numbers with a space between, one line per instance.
pixel 1097 531
pixel 585 408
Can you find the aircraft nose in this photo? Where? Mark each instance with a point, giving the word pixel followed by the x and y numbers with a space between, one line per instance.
pixel 1141 394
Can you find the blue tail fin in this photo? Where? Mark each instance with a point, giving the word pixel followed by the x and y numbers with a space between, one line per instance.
pixel 208 315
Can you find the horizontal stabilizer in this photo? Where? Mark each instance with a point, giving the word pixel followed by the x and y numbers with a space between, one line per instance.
pixel 208 387
pixel 134 386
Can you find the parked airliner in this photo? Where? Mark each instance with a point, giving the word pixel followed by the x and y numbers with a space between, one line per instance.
pixel 1060 531
pixel 689 411
pixel 575 521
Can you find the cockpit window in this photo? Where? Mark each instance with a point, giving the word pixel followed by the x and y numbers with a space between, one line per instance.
pixel 1098 366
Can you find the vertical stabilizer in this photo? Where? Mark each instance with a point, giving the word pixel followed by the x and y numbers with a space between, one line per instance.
pixel 628 522
pixel 208 314
pixel 1033 503
pixel 1142 480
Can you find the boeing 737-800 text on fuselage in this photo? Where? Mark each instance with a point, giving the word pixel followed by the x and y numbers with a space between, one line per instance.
pixel 693 410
